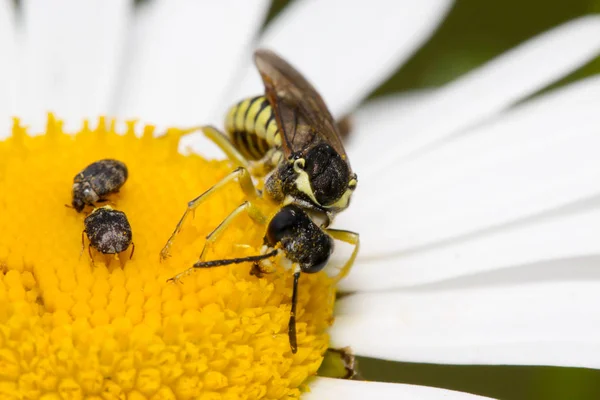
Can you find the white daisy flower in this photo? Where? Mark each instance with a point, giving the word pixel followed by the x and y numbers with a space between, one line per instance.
pixel 477 205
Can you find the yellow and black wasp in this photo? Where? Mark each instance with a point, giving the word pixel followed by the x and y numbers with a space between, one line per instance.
pixel 288 136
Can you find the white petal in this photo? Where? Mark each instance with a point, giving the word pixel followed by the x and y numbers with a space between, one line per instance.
pixel 374 118
pixel 529 324
pixel 328 388
pixel 7 66
pixel 544 249
pixel 182 58
pixel 478 95
pixel 346 49
pixel 534 159
pixel 72 51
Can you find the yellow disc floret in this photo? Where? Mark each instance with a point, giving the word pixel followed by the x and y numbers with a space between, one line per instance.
pixel 116 329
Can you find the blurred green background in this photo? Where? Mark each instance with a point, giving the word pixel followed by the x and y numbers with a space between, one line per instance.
pixel 474 32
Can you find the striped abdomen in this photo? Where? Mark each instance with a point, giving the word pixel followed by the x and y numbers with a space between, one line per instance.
pixel 252 127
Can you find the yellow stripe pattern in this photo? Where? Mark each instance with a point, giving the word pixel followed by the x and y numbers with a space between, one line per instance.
pixel 252 127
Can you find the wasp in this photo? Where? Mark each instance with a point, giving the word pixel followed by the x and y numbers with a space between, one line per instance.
pixel 108 231
pixel 96 181
pixel 288 137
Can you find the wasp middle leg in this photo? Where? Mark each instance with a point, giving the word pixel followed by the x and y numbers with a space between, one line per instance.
pixel 244 180
pixel 349 237
pixel 246 207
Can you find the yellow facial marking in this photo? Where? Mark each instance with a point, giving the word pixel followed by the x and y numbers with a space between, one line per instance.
pixel 303 181
pixel 342 202
pixel 304 186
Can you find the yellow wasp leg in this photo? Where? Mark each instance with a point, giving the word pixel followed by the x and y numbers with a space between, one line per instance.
pixel 257 168
pixel 211 238
pixel 243 178
pixel 352 238
pixel 223 142
pixel 245 207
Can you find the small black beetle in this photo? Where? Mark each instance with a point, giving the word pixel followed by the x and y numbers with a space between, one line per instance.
pixel 108 231
pixel 96 181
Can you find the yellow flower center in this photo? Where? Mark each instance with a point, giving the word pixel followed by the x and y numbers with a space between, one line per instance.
pixel 117 329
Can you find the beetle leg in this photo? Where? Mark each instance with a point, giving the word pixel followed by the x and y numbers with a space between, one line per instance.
pixel 244 180
pixel 352 238
pixel 83 232
pixel 132 250
pixel 90 253
pixel 112 203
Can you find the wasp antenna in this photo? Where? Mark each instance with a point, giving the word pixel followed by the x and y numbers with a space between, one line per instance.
pixel 292 324
pixel 229 261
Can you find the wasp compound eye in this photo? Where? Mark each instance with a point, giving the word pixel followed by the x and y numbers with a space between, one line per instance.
pixel 96 181
pixel 328 173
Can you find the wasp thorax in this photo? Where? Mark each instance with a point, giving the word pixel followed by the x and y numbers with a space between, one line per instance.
pixel 302 240
pixel 328 174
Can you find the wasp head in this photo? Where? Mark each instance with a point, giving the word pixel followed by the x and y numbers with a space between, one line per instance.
pixel 320 179
pixel 331 180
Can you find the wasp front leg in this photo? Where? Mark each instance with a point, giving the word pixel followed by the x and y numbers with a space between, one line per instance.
pixel 244 180
pixel 246 207
pixel 349 237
